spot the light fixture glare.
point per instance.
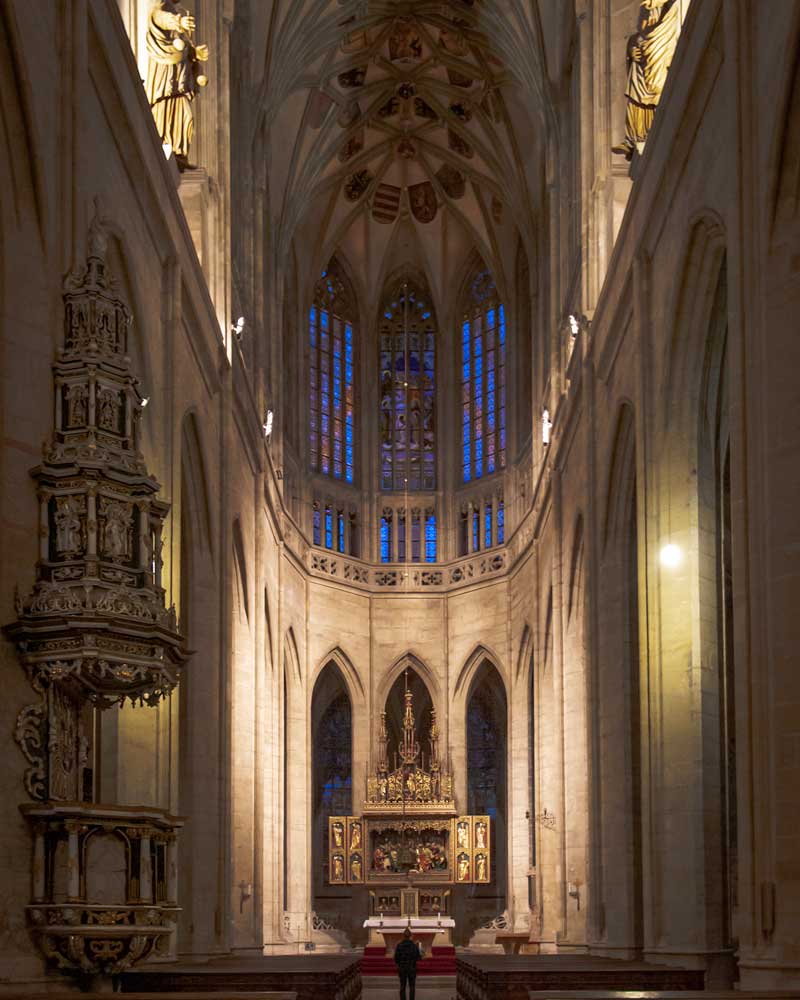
(671, 556)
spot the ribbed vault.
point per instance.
(385, 115)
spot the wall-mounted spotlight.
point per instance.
(145, 401)
(547, 424)
(671, 556)
(238, 328)
(574, 325)
(268, 424)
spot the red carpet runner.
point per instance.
(441, 962)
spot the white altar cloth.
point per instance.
(424, 930)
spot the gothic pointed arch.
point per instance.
(695, 290)
(622, 473)
(525, 656)
(195, 491)
(332, 776)
(350, 676)
(486, 718)
(291, 658)
(575, 590)
(411, 660)
(479, 656)
(241, 567)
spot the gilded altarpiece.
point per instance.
(409, 834)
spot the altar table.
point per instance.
(424, 930)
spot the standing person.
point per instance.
(406, 955)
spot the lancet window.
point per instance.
(335, 526)
(482, 524)
(408, 534)
(331, 367)
(407, 395)
(483, 380)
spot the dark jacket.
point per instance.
(407, 954)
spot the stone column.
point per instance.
(145, 868)
(39, 863)
(73, 862)
(172, 869)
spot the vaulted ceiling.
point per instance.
(402, 131)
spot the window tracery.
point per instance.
(407, 389)
(331, 377)
(483, 380)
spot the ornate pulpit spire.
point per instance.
(95, 630)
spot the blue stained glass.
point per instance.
(341, 532)
(430, 538)
(386, 555)
(476, 531)
(348, 433)
(317, 527)
(349, 475)
(501, 523)
(323, 315)
(487, 526)
(465, 372)
(478, 366)
(490, 318)
(479, 449)
(465, 331)
(466, 454)
(328, 528)
(467, 474)
(478, 347)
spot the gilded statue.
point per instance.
(338, 868)
(355, 868)
(481, 870)
(650, 51)
(174, 75)
(462, 868)
(480, 834)
(355, 836)
(338, 834)
(462, 835)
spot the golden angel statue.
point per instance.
(649, 56)
(173, 75)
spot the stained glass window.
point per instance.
(483, 381)
(331, 367)
(430, 535)
(407, 397)
(386, 536)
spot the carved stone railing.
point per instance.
(413, 577)
(104, 892)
